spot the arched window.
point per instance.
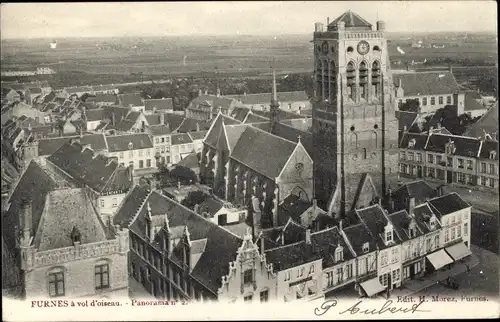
(319, 79)
(326, 85)
(351, 80)
(333, 81)
(374, 139)
(376, 89)
(354, 141)
(363, 80)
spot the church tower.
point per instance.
(354, 121)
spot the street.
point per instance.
(482, 279)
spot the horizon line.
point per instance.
(233, 35)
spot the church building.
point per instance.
(354, 122)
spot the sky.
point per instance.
(117, 19)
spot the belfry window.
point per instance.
(363, 80)
(319, 79)
(326, 85)
(351, 81)
(376, 89)
(333, 81)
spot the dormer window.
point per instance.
(493, 155)
(432, 223)
(411, 143)
(366, 248)
(388, 234)
(130, 146)
(339, 254)
(450, 147)
(75, 235)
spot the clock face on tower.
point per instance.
(324, 48)
(363, 47)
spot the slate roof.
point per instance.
(471, 104)
(99, 172)
(326, 241)
(48, 146)
(159, 104)
(33, 186)
(289, 133)
(215, 131)
(132, 99)
(422, 215)
(401, 223)
(254, 118)
(103, 98)
(304, 125)
(215, 101)
(190, 161)
(240, 113)
(180, 138)
(426, 83)
(173, 120)
(265, 98)
(233, 133)
(293, 255)
(406, 119)
(351, 19)
(117, 143)
(159, 130)
(487, 123)
(283, 115)
(97, 114)
(357, 235)
(56, 225)
(447, 204)
(488, 146)
(255, 143)
(192, 125)
(420, 190)
(466, 147)
(375, 220)
(291, 207)
(221, 246)
(197, 135)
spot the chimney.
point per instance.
(315, 204)
(400, 83)
(196, 208)
(197, 127)
(405, 129)
(199, 92)
(218, 91)
(450, 68)
(206, 91)
(439, 125)
(27, 220)
(341, 224)
(262, 245)
(113, 119)
(162, 118)
(327, 21)
(154, 109)
(178, 184)
(308, 236)
(411, 205)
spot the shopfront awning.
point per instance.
(372, 287)
(439, 259)
(458, 251)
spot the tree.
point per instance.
(183, 175)
(194, 198)
(411, 105)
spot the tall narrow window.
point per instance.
(363, 80)
(56, 284)
(376, 90)
(319, 79)
(326, 81)
(351, 80)
(364, 153)
(333, 81)
(101, 276)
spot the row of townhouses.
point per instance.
(450, 159)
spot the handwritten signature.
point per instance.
(357, 309)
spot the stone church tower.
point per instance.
(354, 121)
